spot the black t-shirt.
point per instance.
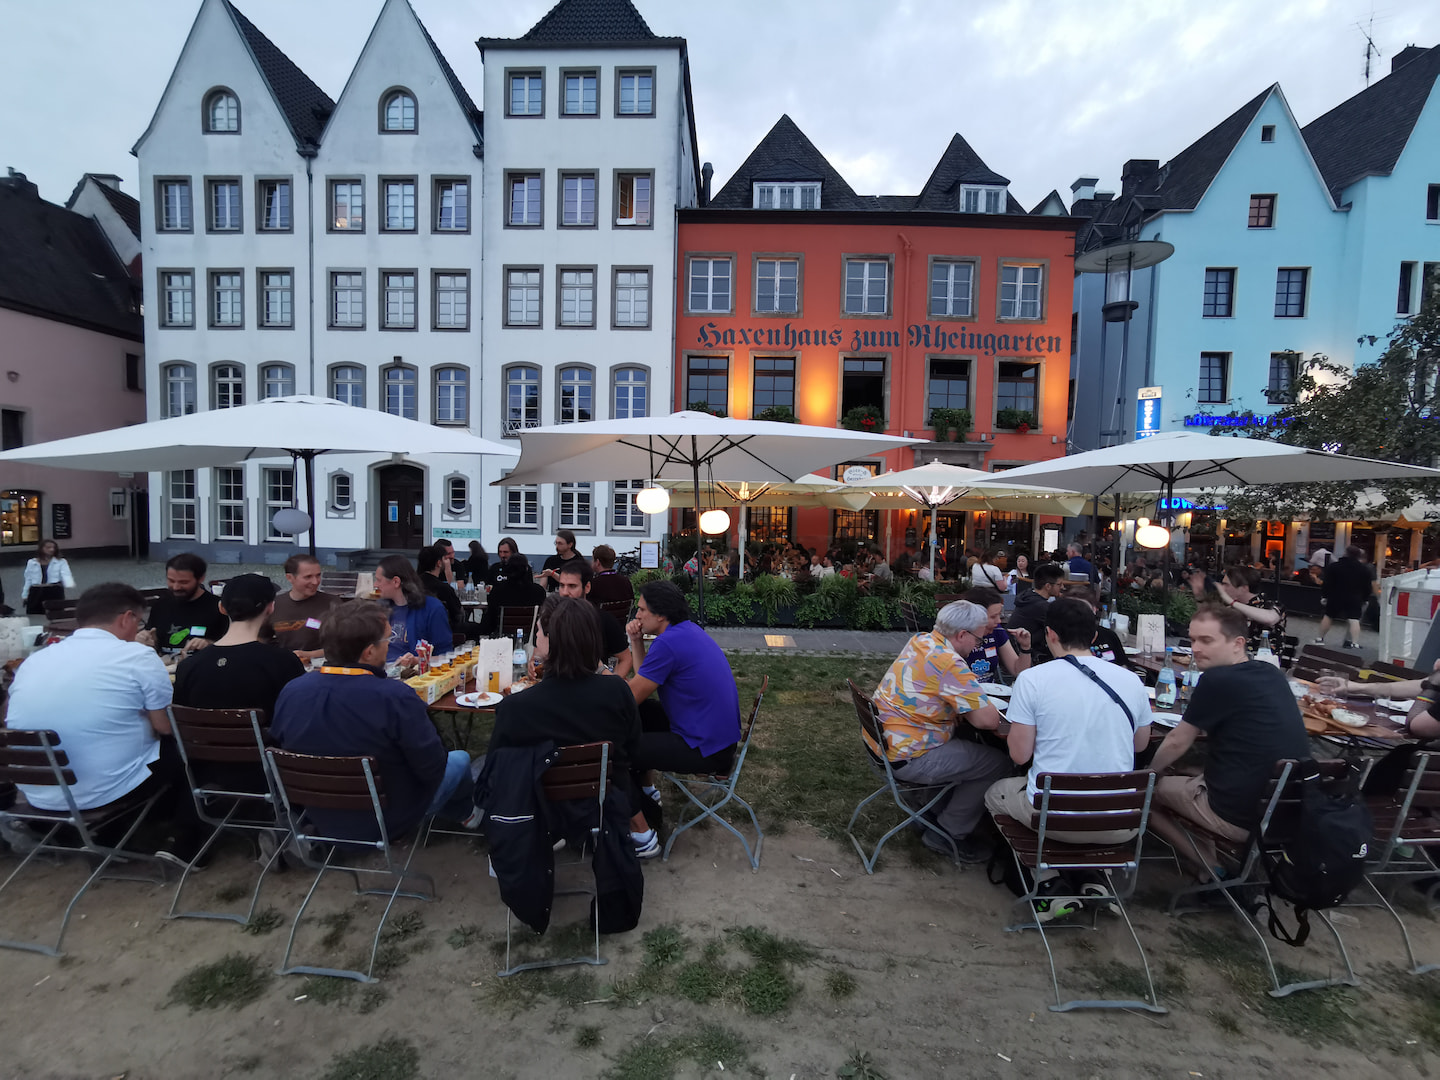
(248, 676)
(1107, 646)
(1348, 581)
(176, 621)
(1251, 721)
(522, 593)
(610, 586)
(443, 591)
(556, 563)
(616, 643)
(596, 708)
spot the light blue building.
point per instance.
(1289, 242)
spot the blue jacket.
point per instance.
(412, 624)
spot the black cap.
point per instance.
(247, 595)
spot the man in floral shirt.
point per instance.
(923, 696)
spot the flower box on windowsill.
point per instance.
(864, 418)
(1018, 420)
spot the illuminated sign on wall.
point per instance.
(1206, 420)
(1147, 412)
(919, 335)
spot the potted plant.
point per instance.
(781, 414)
(1021, 420)
(863, 418)
(705, 407)
(951, 424)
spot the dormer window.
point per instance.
(397, 112)
(982, 200)
(222, 113)
(787, 196)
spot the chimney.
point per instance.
(1084, 188)
(706, 172)
(1404, 56)
(1104, 196)
(1135, 173)
(18, 183)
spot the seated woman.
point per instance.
(998, 648)
(514, 588)
(575, 701)
(414, 615)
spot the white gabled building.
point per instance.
(589, 150)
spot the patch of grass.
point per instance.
(371, 998)
(840, 984)
(263, 921)
(664, 945)
(572, 990)
(766, 989)
(389, 959)
(233, 981)
(657, 1059)
(336, 925)
(404, 926)
(772, 949)
(228, 894)
(859, 1067)
(392, 1058)
(713, 1043)
(462, 937)
(587, 1038)
(1226, 1022)
(1111, 977)
(327, 990)
(703, 981)
(510, 995)
(645, 984)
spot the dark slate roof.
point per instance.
(57, 264)
(1185, 178)
(957, 165)
(467, 103)
(305, 105)
(1365, 135)
(127, 207)
(786, 154)
(586, 22)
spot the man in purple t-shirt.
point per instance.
(695, 724)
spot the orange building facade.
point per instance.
(824, 311)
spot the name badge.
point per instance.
(991, 651)
(197, 631)
(313, 624)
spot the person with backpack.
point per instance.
(1251, 721)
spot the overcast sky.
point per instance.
(1044, 90)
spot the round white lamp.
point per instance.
(291, 521)
(652, 500)
(1152, 536)
(713, 522)
(1142, 522)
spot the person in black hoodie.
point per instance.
(1031, 607)
(514, 589)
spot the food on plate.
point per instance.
(1348, 718)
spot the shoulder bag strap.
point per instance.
(1103, 686)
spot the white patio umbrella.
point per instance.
(300, 427)
(679, 445)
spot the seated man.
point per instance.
(300, 611)
(926, 691)
(431, 564)
(695, 724)
(1064, 715)
(515, 588)
(1107, 644)
(348, 709)
(1030, 608)
(610, 586)
(189, 610)
(1251, 720)
(575, 581)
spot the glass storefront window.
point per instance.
(19, 518)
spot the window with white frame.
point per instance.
(577, 199)
(223, 203)
(527, 94)
(397, 112)
(952, 289)
(982, 200)
(457, 495)
(522, 297)
(347, 384)
(637, 93)
(632, 199)
(524, 200)
(709, 286)
(182, 505)
(399, 286)
(342, 492)
(347, 298)
(277, 296)
(631, 393)
(522, 507)
(452, 405)
(399, 205)
(279, 494)
(577, 297)
(347, 205)
(222, 113)
(787, 196)
(227, 382)
(179, 389)
(227, 298)
(577, 394)
(624, 514)
(632, 297)
(452, 205)
(452, 300)
(400, 391)
(777, 286)
(275, 206)
(575, 507)
(277, 380)
(522, 398)
(582, 93)
(1021, 287)
(174, 206)
(229, 503)
(178, 299)
(867, 284)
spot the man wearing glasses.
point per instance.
(922, 699)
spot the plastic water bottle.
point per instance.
(518, 657)
(1165, 689)
(1192, 677)
(1105, 615)
(1265, 653)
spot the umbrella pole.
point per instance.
(309, 458)
(742, 531)
(699, 536)
(932, 543)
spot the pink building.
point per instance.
(71, 362)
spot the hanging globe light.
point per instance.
(652, 500)
(1152, 536)
(713, 522)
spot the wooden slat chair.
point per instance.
(309, 781)
(1324, 657)
(56, 610)
(711, 794)
(1278, 820)
(518, 618)
(339, 582)
(869, 717)
(228, 737)
(1407, 836)
(36, 758)
(575, 772)
(1392, 672)
(912, 621)
(1084, 803)
(1308, 666)
(618, 609)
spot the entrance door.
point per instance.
(402, 507)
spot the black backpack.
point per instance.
(1323, 859)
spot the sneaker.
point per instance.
(1355, 645)
(647, 844)
(654, 793)
(1100, 894)
(1048, 906)
(1318, 641)
(18, 835)
(968, 849)
(473, 821)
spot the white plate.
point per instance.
(1393, 705)
(486, 700)
(993, 689)
(1000, 705)
(1181, 650)
(1165, 719)
(1132, 650)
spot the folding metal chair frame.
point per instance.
(73, 817)
(303, 840)
(1130, 867)
(723, 789)
(1415, 866)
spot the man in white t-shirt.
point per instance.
(1069, 724)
